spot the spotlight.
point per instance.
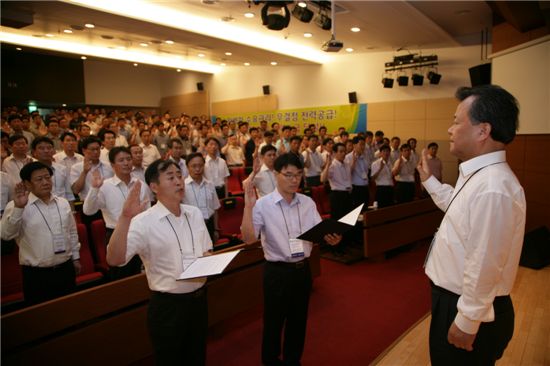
(387, 82)
(417, 79)
(434, 77)
(303, 14)
(275, 21)
(323, 21)
(402, 80)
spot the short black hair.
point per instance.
(369, 133)
(143, 131)
(379, 133)
(313, 137)
(174, 141)
(192, 156)
(411, 139)
(157, 167)
(384, 147)
(13, 138)
(344, 133)
(268, 134)
(88, 141)
(252, 129)
(212, 139)
(286, 127)
(322, 128)
(104, 132)
(432, 144)
(396, 138)
(287, 159)
(337, 145)
(327, 140)
(117, 150)
(494, 105)
(26, 172)
(65, 134)
(267, 148)
(404, 146)
(39, 140)
(294, 138)
(13, 117)
(356, 139)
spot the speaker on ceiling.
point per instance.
(352, 96)
(200, 86)
(480, 74)
(266, 89)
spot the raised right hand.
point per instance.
(21, 195)
(132, 205)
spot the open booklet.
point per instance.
(329, 226)
(209, 265)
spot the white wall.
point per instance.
(329, 84)
(526, 74)
(178, 83)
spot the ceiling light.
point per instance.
(89, 25)
(201, 55)
(83, 57)
(434, 77)
(222, 64)
(274, 63)
(302, 13)
(302, 4)
(417, 79)
(178, 70)
(387, 82)
(68, 31)
(18, 48)
(49, 35)
(355, 29)
(323, 21)
(63, 105)
(308, 35)
(169, 41)
(135, 64)
(249, 15)
(228, 53)
(274, 20)
(143, 44)
(246, 64)
(349, 49)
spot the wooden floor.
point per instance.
(530, 345)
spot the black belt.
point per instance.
(197, 293)
(48, 269)
(294, 265)
(340, 191)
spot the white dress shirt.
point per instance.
(277, 221)
(13, 166)
(138, 173)
(105, 170)
(183, 166)
(233, 154)
(216, 170)
(61, 185)
(360, 172)
(110, 198)
(68, 161)
(203, 196)
(476, 250)
(339, 176)
(34, 227)
(406, 172)
(6, 190)
(384, 178)
(162, 240)
(104, 156)
(265, 181)
(150, 154)
(315, 163)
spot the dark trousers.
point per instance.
(384, 196)
(45, 283)
(313, 181)
(404, 192)
(133, 267)
(220, 191)
(340, 204)
(491, 339)
(210, 227)
(286, 298)
(359, 195)
(178, 327)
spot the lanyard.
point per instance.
(44, 217)
(177, 237)
(284, 218)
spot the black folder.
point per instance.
(329, 226)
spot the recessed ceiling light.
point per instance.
(135, 64)
(228, 53)
(249, 15)
(222, 64)
(302, 4)
(349, 49)
(169, 41)
(178, 70)
(63, 105)
(274, 63)
(83, 57)
(18, 48)
(201, 55)
(246, 64)
(143, 44)
(355, 29)
(49, 35)
(68, 31)
(89, 25)
(308, 35)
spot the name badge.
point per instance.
(59, 243)
(296, 248)
(187, 261)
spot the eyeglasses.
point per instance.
(292, 176)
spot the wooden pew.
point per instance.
(391, 227)
(106, 325)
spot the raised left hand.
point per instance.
(460, 339)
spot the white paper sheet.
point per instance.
(209, 265)
(351, 218)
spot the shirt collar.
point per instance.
(208, 158)
(277, 198)
(116, 180)
(162, 211)
(190, 180)
(479, 162)
(33, 198)
(264, 168)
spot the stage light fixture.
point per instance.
(323, 21)
(417, 79)
(434, 77)
(274, 20)
(302, 13)
(387, 82)
(402, 80)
